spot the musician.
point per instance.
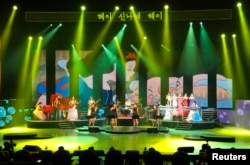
(135, 115)
(56, 104)
(38, 112)
(194, 114)
(155, 113)
(72, 113)
(168, 99)
(191, 100)
(114, 114)
(174, 100)
(185, 100)
(91, 102)
(92, 116)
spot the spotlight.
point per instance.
(131, 8)
(223, 35)
(117, 8)
(30, 38)
(233, 35)
(239, 4)
(166, 7)
(83, 8)
(191, 23)
(40, 38)
(145, 38)
(15, 7)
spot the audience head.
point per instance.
(61, 156)
(114, 157)
(88, 157)
(180, 158)
(153, 157)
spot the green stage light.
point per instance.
(15, 7)
(131, 8)
(166, 7)
(117, 8)
(233, 35)
(223, 35)
(83, 8)
(239, 4)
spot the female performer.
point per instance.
(155, 113)
(38, 112)
(72, 113)
(92, 116)
(114, 114)
(91, 102)
(135, 115)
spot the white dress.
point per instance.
(72, 113)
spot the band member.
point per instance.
(191, 100)
(91, 102)
(38, 112)
(135, 115)
(194, 114)
(174, 100)
(56, 104)
(155, 113)
(114, 114)
(92, 116)
(185, 100)
(72, 113)
(180, 105)
(169, 100)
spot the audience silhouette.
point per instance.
(91, 156)
(114, 156)
(61, 156)
(180, 158)
(152, 157)
(88, 157)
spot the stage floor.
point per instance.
(166, 142)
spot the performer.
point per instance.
(72, 113)
(135, 115)
(168, 99)
(91, 102)
(185, 100)
(155, 113)
(56, 104)
(191, 100)
(194, 114)
(92, 117)
(114, 114)
(38, 112)
(180, 105)
(174, 100)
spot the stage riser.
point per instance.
(194, 126)
(80, 123)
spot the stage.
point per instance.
(123, 121)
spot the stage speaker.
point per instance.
(32, 148)
(186, 149)
(94, 129)
(152, 130)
